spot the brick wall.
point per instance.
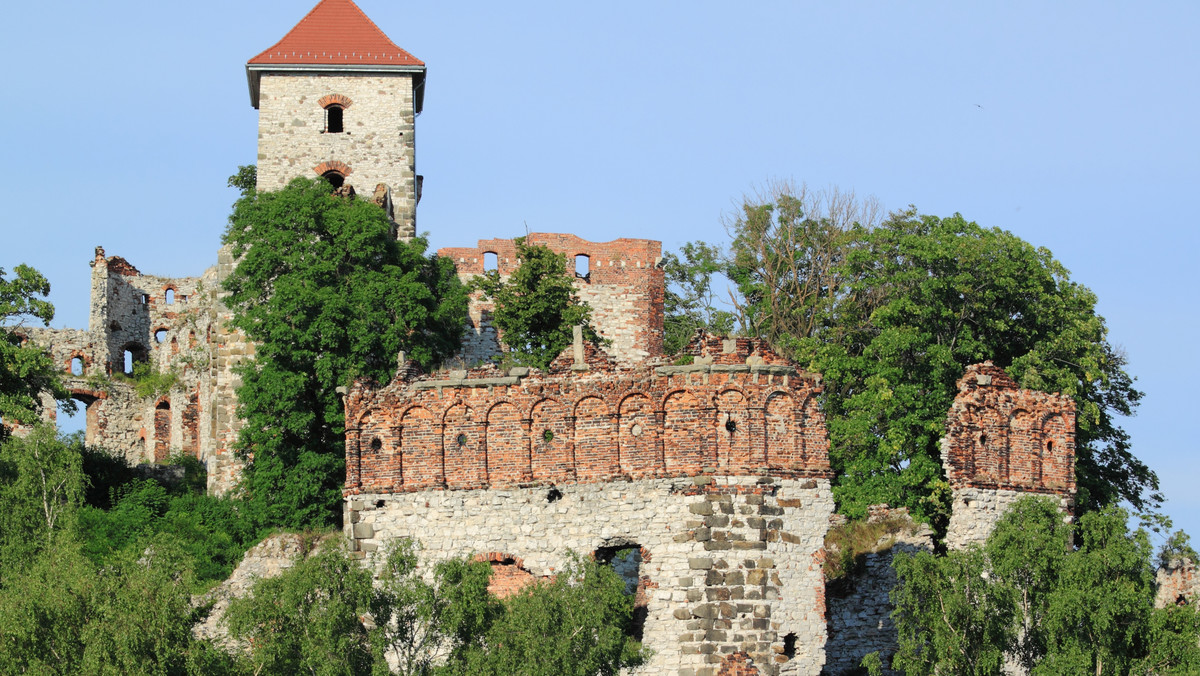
(624, 287)
(1002, 443)
(487, 428)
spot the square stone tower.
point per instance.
(337, 98)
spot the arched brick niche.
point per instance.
(999, 436)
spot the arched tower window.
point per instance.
(334, 178)
(334, 171)
(333, 119)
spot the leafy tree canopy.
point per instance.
(327, 295)
(1028, 597)
(891, 314)
(26, 371)
(41, 488)
(689, 303)
(536, 307)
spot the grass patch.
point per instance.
(847, 545)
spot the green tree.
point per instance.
(328, 296)
(307, 619)
(537, 306)
(324, 616)
(890, 315)
(26, 371)
(41, 489)
(1030, 598)
(689, 304)
(62, 615)
(576, 625)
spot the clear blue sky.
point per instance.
(1072, 124)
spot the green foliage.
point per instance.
(689, 304)
(41, 486)
(419, 624)
(890, 315)
(65, 616)
(245, 180)
(536, 307)
(213, 532)
(26, 371)
(847, 545)
(148, 381)
(328, 296)
(579, 624)
(1050, 608)
(307, 619)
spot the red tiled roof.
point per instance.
(336, 32)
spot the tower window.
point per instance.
(334, 178)
(170, 296)
(583, 266)
(333, 119)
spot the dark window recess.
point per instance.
(789, 646)
(334, 178)
(333, 119)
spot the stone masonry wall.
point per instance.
(1178, 584)
(377, 146)
(624, 286)
(1001, 443)
(717, 473)
(175, 325)
(730, 563)
(860, 608)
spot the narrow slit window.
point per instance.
(128, 363)
(333, 119)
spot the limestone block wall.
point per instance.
(859, 606)
(377, 145)
(1001, 443)
(728, 563)
(624, 286)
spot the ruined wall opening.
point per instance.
(789, 646)
(625, 557)
(583, 266)
(133, 354)
(162, 430)
(509, 574)
(335, 179)
(76, 367)
(491, 261)
(169, 296)
(160, 335)
(83, 419)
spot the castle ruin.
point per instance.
(703, 476)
